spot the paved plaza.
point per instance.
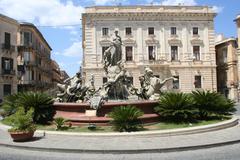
(125, 144)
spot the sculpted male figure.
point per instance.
(70, 85)
(151, 85)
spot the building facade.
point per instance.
(56, 73)
(34, 62)
(64, 75)
(8, 54)
(172, 40)
(227, 69)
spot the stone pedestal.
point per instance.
(91, 113)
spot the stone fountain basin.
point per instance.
(76, 112)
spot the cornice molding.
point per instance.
(175, 42)
(105, 42)
(197, 42)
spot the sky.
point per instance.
(59, 21)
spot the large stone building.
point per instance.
(63, 75)
(171, 40)
(56, 73)
(34, 61)
(227, 69)
(8, 52)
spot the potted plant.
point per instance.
(23, 127)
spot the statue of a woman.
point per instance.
(116, 55)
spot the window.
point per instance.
(39, 77)
(196, 53)
(173, 30)
(195, 30)
(7, 65)
(129, 54)
(27, 38)
(104, 80)
(7, 41)
(150, 31)
(151, 53)
(176, 82)
(174, 53)
(105, 31)
(32, 75)
(128, 31)
(198, 82)
(224, 54)
(7, 89)
(26, 57)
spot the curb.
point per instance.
(135, 151)
(162, 133)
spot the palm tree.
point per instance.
(212, 103)
(176, 107)
(125, 118)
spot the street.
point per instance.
(230, 152)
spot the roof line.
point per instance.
(35, 28)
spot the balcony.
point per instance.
(25, 47)
(8, 72)
(30, 63)
(34, 83)
(8, 47)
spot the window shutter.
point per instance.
(11, 64)
(3, 62)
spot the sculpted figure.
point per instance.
(90, 89)
(117, 44)
(151, 85)
(70, 87)
(113, 55)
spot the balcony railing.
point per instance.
(8, 47)
(30, 63)
(8, 72)
(36, 83)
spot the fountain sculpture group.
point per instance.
(118, 85)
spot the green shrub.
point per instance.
(22, 121)
(125, 118)
(42, 104)
(212, 103)
(59, 122)
(10, 105)
(176, 107)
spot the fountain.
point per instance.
(84, 104)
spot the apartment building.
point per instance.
(56, 74)
(34, 61)
(171, 40)
(8, 52)
(227, 67)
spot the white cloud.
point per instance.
(111, 2)
(42, 12)
(177, 2)
(102, 2)
(75, 50)
(218, 9)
